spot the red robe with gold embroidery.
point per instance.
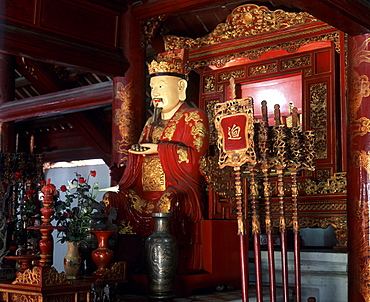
(182, 141)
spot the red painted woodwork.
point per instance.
(77, 291)
(85, 21)
(129, 94)
(23, 10)
(311, 74)
(358, 173)
(55, 103)
(55, 48)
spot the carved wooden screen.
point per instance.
(317, 70)
(255, 44)
(255, 51)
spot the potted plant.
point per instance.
(73, 215)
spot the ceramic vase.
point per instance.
(102, 256)
(161, 258)
(72, 261)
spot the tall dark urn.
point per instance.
(161, 258)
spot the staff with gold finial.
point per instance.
(234, 124)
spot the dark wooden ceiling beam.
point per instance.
(44, 46)
(72, 100)
(39, 76)
(172, 7)
(351, 19)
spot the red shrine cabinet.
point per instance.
(287, 59)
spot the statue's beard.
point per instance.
(157, 113)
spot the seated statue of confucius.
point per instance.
(162, 173)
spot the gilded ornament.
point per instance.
(149, 28)
(308, 72)
(36, 276)
(362, 126)
(116, 273)
(198, 130)
(171, 61)
(15, 297)
(218, 179)
(164, 203)
(360, 88)
(364, 278)
(255, 53)
(210, 113)
(362, 159)
(243, 107)
(318, 117)
(209, 83)
(256, 228)
(153, 177)
(139, 204)
(226, 76)
(183, 155)
(334, 184)
(295, 62)
(262, 69)
(171, 126)
(339, 223)
(125, 228)
(246, 20)
(124, 118)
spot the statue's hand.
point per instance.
(147, 148)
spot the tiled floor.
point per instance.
(209, 295)
(230, 295)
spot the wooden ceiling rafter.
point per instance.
(39, 75)
(55, 49)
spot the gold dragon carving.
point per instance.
(246, 20)
(124, 118)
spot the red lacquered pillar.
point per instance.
(7, 92)
(128, 106)
(359, 169)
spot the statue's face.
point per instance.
(170, 89)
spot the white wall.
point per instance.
(60, 176)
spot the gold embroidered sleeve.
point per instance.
(171, 127)
(198, 130)
(183, 155)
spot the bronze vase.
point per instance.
(161, 258)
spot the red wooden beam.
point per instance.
(172, 7)
(71, 100)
